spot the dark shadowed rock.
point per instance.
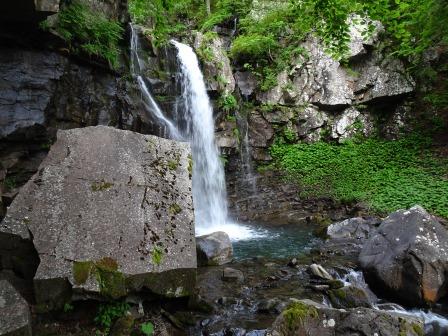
(214, 249)
(108, 212)
(232, 275)
(306, 317)
(349, 297)
(408, 257)
(260, 130)
(15, 318)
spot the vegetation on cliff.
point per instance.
(386, 175)
(90, 32)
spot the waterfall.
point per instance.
(137, 68)
(192, 120)
(209, 192)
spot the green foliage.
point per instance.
(147, 328)
(253, 47)
(109, 312)
(387, 175)
(68, 308)
(91, 31)
(157, 255)
(10, 183)
(164, 16)
(227, 102)
(225, 10)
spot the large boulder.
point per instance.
(108, 212)
(15, 318)
(408, 257)
(306, 317)
(214, 249)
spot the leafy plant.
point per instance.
(68, 308)
(157, 255)
(227, 102)
(387, 175)
(91, 31)
(109, 312)
(147, 328)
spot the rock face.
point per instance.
(310, 318)
(15, 318)
(45, 88)
(408, 257)
(214, 249)
(108, 212)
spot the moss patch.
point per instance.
(101, 186)
(296, 314)
(157, 255)
(175, 209)
(81, 271)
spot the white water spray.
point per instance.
(209, 191)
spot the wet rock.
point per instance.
(306, 317)
(232, 275)
(382, 79)
(358, 228)
(214, 249)
(408, 257)
(275, 95)
(269, 306)
(359, 41)
(246, 82)
(349, 297)
(122, 326)
(293, 262)
(319, 272)
(15, 318)
(217, 70)
(310, 122)
(351, 123)
(43, 88)
(260, 130)
(108, 219)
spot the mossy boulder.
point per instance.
(107, 216)
(306, 317)
(349, 297)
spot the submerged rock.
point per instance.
(408, 257)
(15, 318)
(108, 212)
(214, 249)
(307, 317)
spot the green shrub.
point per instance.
(387, 175)
(227, 103)
(109, 312)
(147, 328)
(253, 47)
(91, 31)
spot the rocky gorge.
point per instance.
(112, 162)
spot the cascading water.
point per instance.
(195, 113)
(208, 175)
(137, 68)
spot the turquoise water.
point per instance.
(276, 242)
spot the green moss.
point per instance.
(112, 283)
(175, 209)
(172, 164)
(190, 165)
(296, 314)
(157, 255)
(418, 329)
(101, 186)
(81, 271)
(107, 263)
